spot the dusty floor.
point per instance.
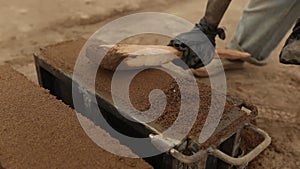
(273, 88)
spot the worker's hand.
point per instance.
(198, 44)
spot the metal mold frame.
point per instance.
(59, 83)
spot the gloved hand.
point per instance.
(198, 45)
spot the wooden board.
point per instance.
(145, 55)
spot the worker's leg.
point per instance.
(263, 25)
(290, 53)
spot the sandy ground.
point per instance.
(26, 26)
(43, 132)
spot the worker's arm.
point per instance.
(197, 51)
(215, 11)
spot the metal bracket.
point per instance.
(248, 157)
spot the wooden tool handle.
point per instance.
(114, 55)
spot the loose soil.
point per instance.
(38, 131)
(279, 149)
(63, 56)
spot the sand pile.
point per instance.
(38, 131)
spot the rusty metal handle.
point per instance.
(248, 157)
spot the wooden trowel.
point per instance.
(136, 56)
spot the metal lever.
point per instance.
(226, 158)
(188, 159)
(248, 157)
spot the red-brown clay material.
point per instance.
(63, 56)
(280, 154)
(38, 131)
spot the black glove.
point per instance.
(198, 45)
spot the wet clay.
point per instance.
(64, 55)
(39, 131)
